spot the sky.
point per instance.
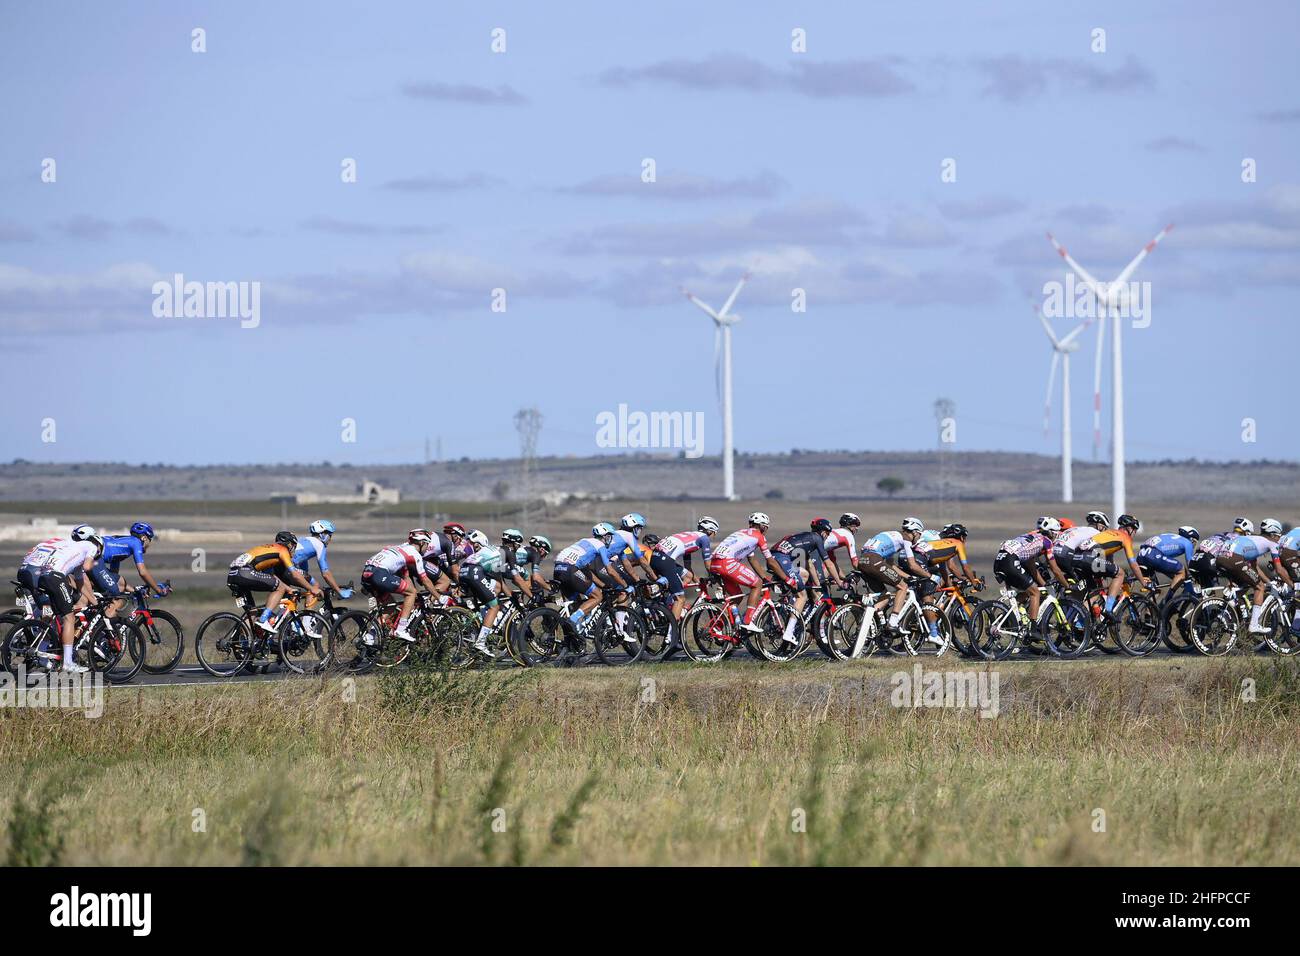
(522, 169)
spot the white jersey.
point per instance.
(39, 556)
(841, 538)
(741, 544)
(1077, 539)
(68, 557)
(399, 559)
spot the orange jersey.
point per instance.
(265, 557)
(944, 550)
(1111, 541)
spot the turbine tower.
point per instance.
(1061, 349)
(1111, 298)
(723, 320)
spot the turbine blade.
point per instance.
(734, 292)
(1047, 327)
(1137, 260)
(713, 315)
(1097, 288)
(1047, 403)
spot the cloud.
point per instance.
(1014, 78)
(681, 187)
(465, 93)
(1086, 214)
(976, 210)
(916, 231)
(13, 232)
(1269, 221)
(436, 183)
(871, 78)
(1280, 116)
(1174, 144)
(94, 229)
(348, 227)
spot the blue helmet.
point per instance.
(321, 527)
(634, 521)
(602, 529)
(142, 529)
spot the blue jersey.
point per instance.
(118, 547)
(1291, 540)
(1252, 547)
(584, 552)
(625, 545)
(308, 548)
(1170, 545)
(887, 544)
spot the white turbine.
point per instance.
(723, 320)
(1061, 349)
(1111, 297)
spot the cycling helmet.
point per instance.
(1097, 517)
(478, 539)
(419, 536)
(1270, 526)
(1190, 533)
(321, 527)
(650, 540)
(82, 532)
(915, 525)
(760, 517)
(142, 529)
(512, 536)
(98, 542)
(1066, 524)
(288, 539)
(1130, 523)
(849, 519)
(602, 529)
(541, 543)
(708, 525)
(821, 524)
(454, 529)
(633, 521)
(954, 530)
(1243, 525)
(1048, 525)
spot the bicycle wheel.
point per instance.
(659, 622)
(451, 633)
(998, 627)
(33, 646)
(1281, 638)
(1066, 628)
(164, 641)
(223, 644)
(620, 636)
(844, 626)
(919, 642)
(351, 642)
(1214, 627)
(8, 623)
(959, 618)
(770, 643)
(1137, 627)
(1175, 623)
(305, 642)
(708, 633)
(116, 650)
(541, 636)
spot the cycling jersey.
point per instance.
(1216, 544)
(887, 544)
(39, 555)
(625, 545)
(400, 559)
(682, 545)
(68, 557)
(842, 538)
(1170, 545)
(308, 548)
(584, 552)
(490, 559)
(807, 545)
(1076, 539)
(941, 551)
(1027, 547)
(1111, 542)
(118, 547)
(1252, 547)
(266, 557)
(526, 561)
(739, 545)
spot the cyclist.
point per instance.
(478, 574)
(106, 577)
(671, 559)
(268, 567)
(842, 537)
(577, 568)
(627, 555)
(1110, 542)
(392, 570)
(803, 558)
(1288, 550)
(33, 566)
(1016, 565)
(885, 557)
(443, 554)
(64, 579)
(1161, 553)
(1241, 563)
(319, 535)
(735, 562)
(950, 543)
(525, 560)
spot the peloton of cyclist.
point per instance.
(735, 562)
(1016, 564)
(1242, 564)
(268, 567)
(393, 571)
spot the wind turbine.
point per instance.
(1061, 349)
(723, 320)
(1111, 297)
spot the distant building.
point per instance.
(367, 493)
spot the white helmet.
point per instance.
(1243, 525)
(478, 539)
(82, 532)
(1270, 526)
(1097, 517)
(760, 517)
(708, 525)
(1048, 524)
(913, 524)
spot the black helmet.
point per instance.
(1128, 521)
(954, 530)
(849, 518)
(650, 540)
(288, 539)
(821, 524)
(1190, 533)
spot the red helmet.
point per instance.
(454, 527)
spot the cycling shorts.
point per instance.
(737, 575)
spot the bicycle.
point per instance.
(101, 643)
(710, 630)
(163, 634)
(226, 643)
(1132, 625)
(1001, 626)
(1218, 621)
(366, 639)
(857, 627)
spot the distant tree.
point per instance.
(500, 490)
(890, 485)
(774, 494)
